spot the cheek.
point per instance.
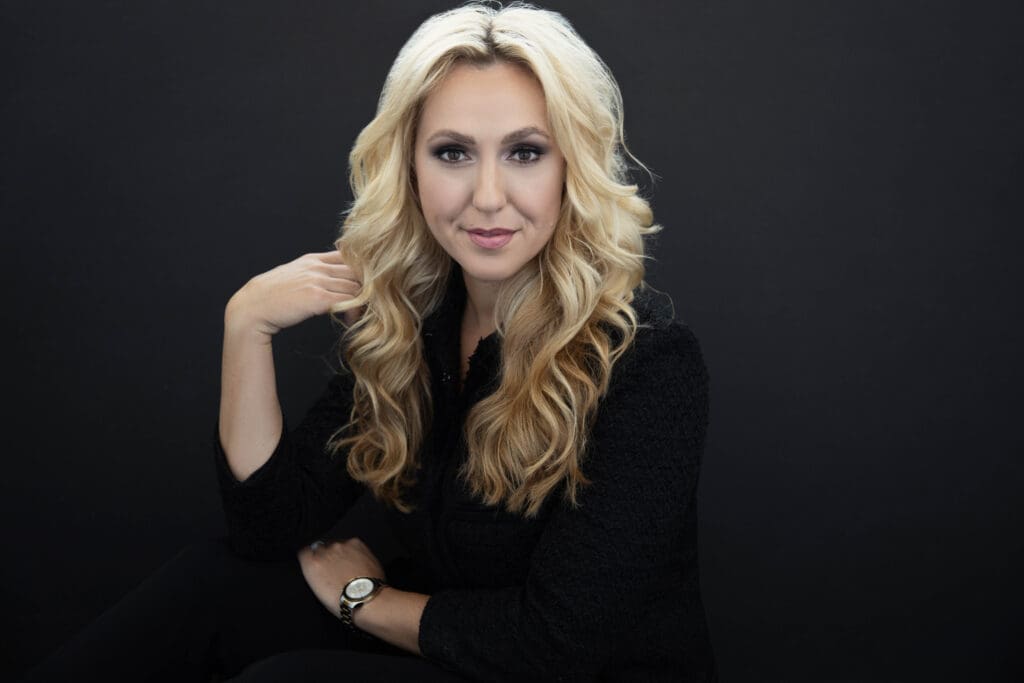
(440, 196)
(542, 198)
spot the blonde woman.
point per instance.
(525, 410)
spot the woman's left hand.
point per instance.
(329, 567)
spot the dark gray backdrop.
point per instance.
(840, 189)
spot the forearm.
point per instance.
(393, 616)
(250, 414)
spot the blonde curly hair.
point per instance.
(564, 319)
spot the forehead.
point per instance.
(473, 99)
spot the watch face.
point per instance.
(357, 589)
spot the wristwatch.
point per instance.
(358, 591)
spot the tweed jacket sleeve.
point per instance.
(300, 492)
(597, 569)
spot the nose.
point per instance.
(489, 192)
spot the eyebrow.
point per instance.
(514, 136)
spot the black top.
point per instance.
(606, 591)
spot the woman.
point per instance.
(525, 410)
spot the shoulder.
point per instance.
(661, 380)
(651, 425)
(665, 348)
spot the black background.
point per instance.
(840, 189)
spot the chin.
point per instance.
(483, 274)
(489, 276)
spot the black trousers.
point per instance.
(209, 615)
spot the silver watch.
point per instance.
(358, 591)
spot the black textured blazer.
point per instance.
(606, 591)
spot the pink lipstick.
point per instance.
(491, 239)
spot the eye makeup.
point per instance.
(444, 152)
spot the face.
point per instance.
(488, 172)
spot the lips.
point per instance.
(491, 238)
(491, 232)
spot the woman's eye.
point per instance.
(526, 155)
(520, 155)
(449, 154)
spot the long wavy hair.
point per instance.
(563, 320)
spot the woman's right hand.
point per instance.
(292, 292)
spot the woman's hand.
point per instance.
(290, 293)
(327, 569)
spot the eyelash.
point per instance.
(441, 151)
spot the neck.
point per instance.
(480, 299)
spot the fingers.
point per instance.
(342, 273)
(356, 541)
(333, 275)
(334, 259)
(332, 256)
(340, 286)
(331, 264)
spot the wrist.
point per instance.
(394, 617)
(368, 614)
(240, 324)
(356, 595)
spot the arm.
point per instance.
(250, 416)
(600, 569)
(393, 615)
(272, 505)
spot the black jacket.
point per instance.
(606, 591)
